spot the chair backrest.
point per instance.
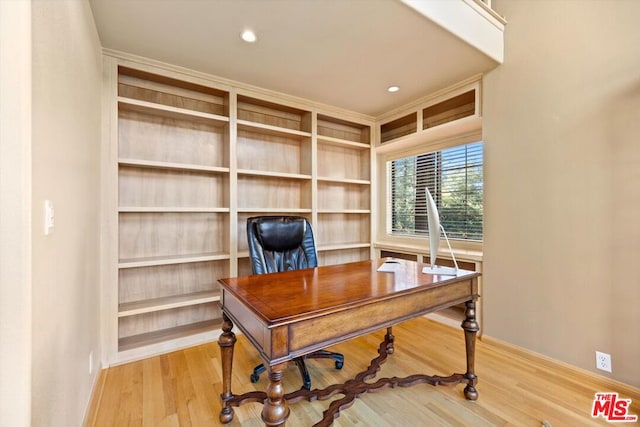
(280, 243)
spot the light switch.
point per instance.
(48, 217)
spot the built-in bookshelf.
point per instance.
(194, 159)
(402, 126)
(449, 117)
(451, 106)
(173, 207)
(344, 190)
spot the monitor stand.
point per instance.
(443, 271)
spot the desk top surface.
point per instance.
(290, 296)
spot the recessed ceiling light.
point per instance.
(248, 36)
(393, 89)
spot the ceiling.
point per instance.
(343, 53)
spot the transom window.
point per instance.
(454, 178)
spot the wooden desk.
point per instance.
(285, 315)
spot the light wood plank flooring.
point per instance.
(515, 387)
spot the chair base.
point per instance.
(302, 367)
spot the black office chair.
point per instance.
(283, 243)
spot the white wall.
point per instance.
(15, 213)
(562, 182)
(66, 118)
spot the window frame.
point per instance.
(421, 143)
(445, 171)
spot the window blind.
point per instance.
(454, 177)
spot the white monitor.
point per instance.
(433, 220)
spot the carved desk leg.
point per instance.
(275, 410)
(226, 342)
(470, 327)
(389, 339)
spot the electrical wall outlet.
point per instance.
(603, 361)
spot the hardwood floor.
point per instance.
(515, 387)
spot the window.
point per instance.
(454, 177)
